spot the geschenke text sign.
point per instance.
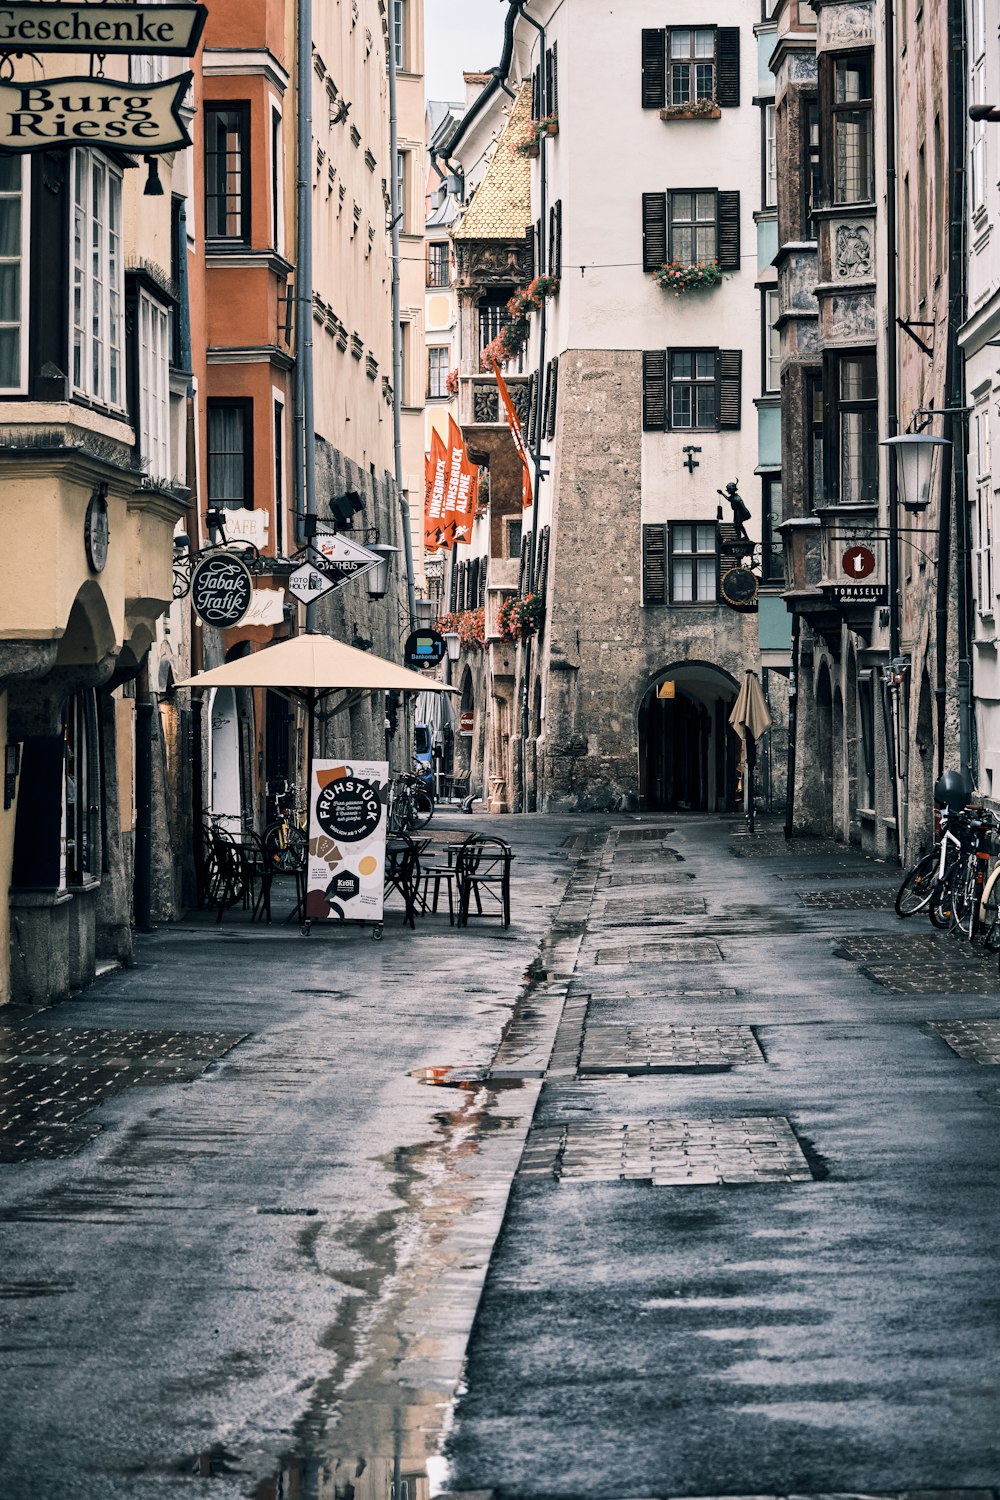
(47, 112)
(169, 30)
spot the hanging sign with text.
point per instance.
(167, 30)
(347, 828)
(221, 590)
(53, 112)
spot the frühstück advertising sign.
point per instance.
(347, 827)
(53, 112)
(169, 30)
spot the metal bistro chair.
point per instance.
(402, 873)
(483, 868)
(225, 878)
(434, 875)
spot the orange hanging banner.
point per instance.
(435, 527)
(515, 431)
(461, 501)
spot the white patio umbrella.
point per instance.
(311, 667)
(751, 719)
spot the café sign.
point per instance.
(167, 30)
(46, 112)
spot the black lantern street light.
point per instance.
(377, 578)
(453, 644)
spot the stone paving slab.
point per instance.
(876, 872)
(668, 1152)
(921, 963)
(649, 877)
(647, 834)
(642, 1049)
(685, 950)
(678, 905)
(860, 899)
(978, 1041)
(52, 1076)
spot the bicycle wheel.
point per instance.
(965, 899)
(423, 807)
(941, 908)
(918, 887)
(274, 839)
(989, 914)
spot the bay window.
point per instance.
(227, 172)
(852, 407)
(852, 172)
(154, 391)
(230, 453)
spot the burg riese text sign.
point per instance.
(170, 30)
(48, 112)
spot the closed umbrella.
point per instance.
(750, 719)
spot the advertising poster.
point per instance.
(347, 824)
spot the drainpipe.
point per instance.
(519, 6)
(143, 876)
(305, 446)
(956, 494)
(396, 210)
(890, 702)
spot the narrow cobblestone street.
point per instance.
(708, 1137)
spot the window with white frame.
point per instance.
(694, 565)
(399, 32)
(772, 342)
(154, 388)
(977, 95)
(401, 176)
(147, 67)
(982, 530)
(98, 279)
(770, 158)
(437, 373)
(14, 223)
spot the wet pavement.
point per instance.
(702, 1153)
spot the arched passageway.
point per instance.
(687, 755)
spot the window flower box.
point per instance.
(695, 109)
(677, 277)
(530, 142)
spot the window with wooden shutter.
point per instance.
(654, 564)
(654, 231)
(555, 239)
(654, 68)
(532, 409)
(654, 390)
(523, 573)
(551, 396)
(729, 231)
(730, 365)
(727, 67)
(536, 93)
(542, 562)
(551, 82)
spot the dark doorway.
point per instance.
(687, 755)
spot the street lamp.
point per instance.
(377, 578)
(915, 453)
(425, 613)
(453, 644)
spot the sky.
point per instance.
(460, 36)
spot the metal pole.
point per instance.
(143, 883)
(396, 210)
(793, 715)
(305, 445)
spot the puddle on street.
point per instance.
(374, 1426)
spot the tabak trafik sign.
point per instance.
(40, 114)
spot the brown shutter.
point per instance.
(654, 230)
(654, 564)
(654, 390)
(728, 366)
(536, 91)
(728, 231)
(727, 67)
(555, 239)
(532, 409)
(551, 397)
(654, 68)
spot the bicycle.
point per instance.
(410, 804)
(285, 840)
(949, 883)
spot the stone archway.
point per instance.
(687, 755)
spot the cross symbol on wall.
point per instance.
(691, 463)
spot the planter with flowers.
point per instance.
(451, 382)
(677, 277)
(518, 619)
(468, 624)
(513, 336)
(692, 109)
(530, 142)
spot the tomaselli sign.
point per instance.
(53, 112)
(170, 30)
